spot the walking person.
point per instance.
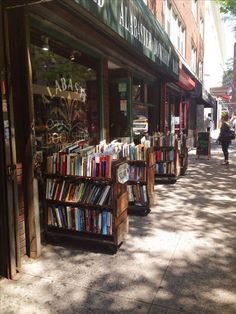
(209, 124)
(225, 138)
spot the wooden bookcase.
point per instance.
(113, 225)
(141, 185)
(167, 163)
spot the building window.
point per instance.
(201, 27)
(168, 18)
(194, 8)
(174, 27)
(200, 68)
(193, 58)
(182, 41)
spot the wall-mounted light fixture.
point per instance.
(75, 54)
(45, 45)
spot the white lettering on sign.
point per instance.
(134, 26)
(100, 3)
(68, 85)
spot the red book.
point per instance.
(58, 192)
(108, 166)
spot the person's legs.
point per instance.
(225, 147)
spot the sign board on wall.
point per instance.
(134, 22)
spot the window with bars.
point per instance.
(200, 70)
(174, 27)
(201, 27)
(194, 8)
(193, 58)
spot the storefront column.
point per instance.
(19, 47)
(104, 101)
(9, 248)
(163, 106)
(181, 113)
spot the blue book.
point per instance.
(61, 216)
(104, 223)
(79, 220)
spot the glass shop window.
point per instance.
(65, 94)
(142, 98)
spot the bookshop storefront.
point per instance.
(177, 103)
(88, 70)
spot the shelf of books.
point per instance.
(167, 161)
(141, 179)
(86, 196)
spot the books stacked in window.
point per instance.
(80, 219)
(165, 168)
(137, 194)
(78, 192)
(137, 173)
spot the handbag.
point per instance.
(227, 135)
(231, 134)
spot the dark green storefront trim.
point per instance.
(134, 22)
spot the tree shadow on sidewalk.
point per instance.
(178, 259)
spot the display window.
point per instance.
(65, 94)
(172, 112)
(142, 101)
(119, 108)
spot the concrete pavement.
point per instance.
(179, 259)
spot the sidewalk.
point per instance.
(179, 259)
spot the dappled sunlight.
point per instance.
(179, 258)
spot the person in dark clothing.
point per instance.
(223, 138)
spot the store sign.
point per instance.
(64, 85)
(123, 173)
(133, 21)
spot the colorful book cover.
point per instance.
(76, 219)
(104, 223)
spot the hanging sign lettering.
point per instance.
(134, 22)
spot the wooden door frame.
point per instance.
(8, 187)
(20, 99)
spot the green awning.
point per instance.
(135, 23)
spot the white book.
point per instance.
(144, 188)
(62, 189)
(58, 217)
(104, 195)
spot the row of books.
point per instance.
(94, 161)
(165, 155)
(80, 192)
(137, 173)
(165, 168)
(92, 165)
(137, 194)
(83, 220)
(124, 150)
